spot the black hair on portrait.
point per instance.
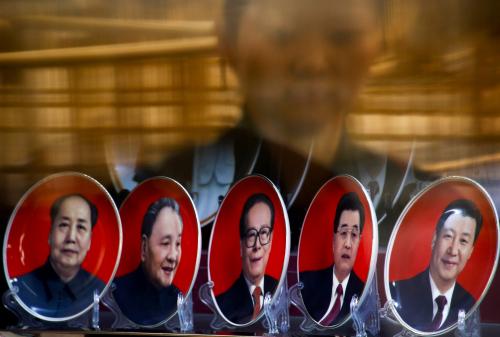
(465, 208)
(54, 209)
(349, 202)
(251, 201)
(153, 211)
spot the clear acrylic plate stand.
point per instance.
(388, 312)
(205, 294)
(365, 315)
(470, 327)
(86, 321)
(307, 325)
(182, 321)
(277, 312)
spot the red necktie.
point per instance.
(436, 322)
(257, 292)
(336, 307)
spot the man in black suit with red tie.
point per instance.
(327, 293)
(244, 300)
(431, 300)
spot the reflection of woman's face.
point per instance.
(70, 236)
(301, 64)
(161, 252)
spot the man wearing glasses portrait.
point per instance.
(327, 292)
(244, 300)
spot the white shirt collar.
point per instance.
(335, 284)
(435, 293)
(251, 288)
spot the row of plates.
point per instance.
(116, 246)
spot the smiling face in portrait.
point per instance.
(346, 243)
(291, 55)
(256, 243)
(70, 236)
(161, 251)
(451, 249)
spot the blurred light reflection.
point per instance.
(77, 76)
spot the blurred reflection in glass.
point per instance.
(301, 69)
(301, 65)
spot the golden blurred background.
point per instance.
(88, 84)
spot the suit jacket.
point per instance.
(236, 303)
(317, 292)
(141, 302)
(44, 292)
(414, 297)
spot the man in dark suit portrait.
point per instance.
(243, 301)
(431, 300)
(147, 295)
(327, 293)
(61, 288)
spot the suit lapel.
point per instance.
(323, 292)
(325, 302)
(426, 297)
(346, 305)
(354, 287)
(456, 302)
(246, 304)
(270, 285)
(422, 311)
